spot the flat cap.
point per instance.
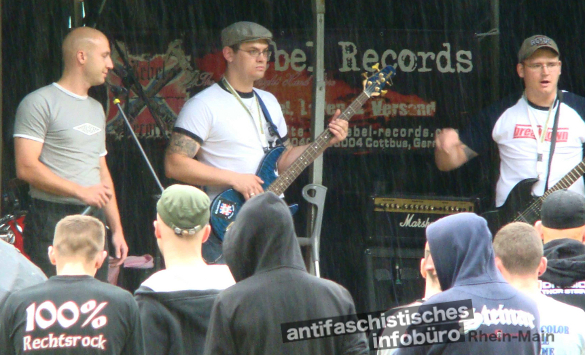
(244, 31)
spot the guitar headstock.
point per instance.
(374, 84)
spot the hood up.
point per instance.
(262, 238)
(566, 262)
(461, 248)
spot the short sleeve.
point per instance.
(32, 118)
(194, 120)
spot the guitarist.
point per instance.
(225, 128)
(522, 126)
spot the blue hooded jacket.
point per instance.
(461, 249)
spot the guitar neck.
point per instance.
(566, 181)
(314, 149)
(569, 179)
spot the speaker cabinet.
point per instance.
(393, 277)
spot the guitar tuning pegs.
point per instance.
(384, 92)
(365, 75)
(376, 67)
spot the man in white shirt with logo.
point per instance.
(522, 125)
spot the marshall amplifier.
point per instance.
(400, 221)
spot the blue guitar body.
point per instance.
(225, 206)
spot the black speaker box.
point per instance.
(393, 277)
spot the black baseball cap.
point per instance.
(563, 210)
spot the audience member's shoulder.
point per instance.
(575, 313)
(333, 287)
(211, 277)
(25, 293)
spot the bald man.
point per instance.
(59, 139)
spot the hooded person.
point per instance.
(175, 303)
(562, 229)
(273, 288)
(462, 252)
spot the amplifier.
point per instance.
(400, 221)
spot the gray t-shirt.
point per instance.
(72, 129)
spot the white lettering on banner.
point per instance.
(385, 137)
(409, 223)
(405, 60)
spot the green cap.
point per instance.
(243, 32)
(532, 44)
(184, 208)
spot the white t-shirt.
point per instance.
(518, 147)
(229, 137)
(210, 277)
(565, 323)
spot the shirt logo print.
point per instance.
(525, 131)
(88, 129)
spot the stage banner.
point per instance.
(437, 84)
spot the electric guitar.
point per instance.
(225, 206)
(522, 206)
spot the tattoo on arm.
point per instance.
(181, 144)
(469, 153)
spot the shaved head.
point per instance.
(86, 58)
(80, 39)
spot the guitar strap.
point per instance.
(271, 126)
(553, 139)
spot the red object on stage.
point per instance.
(11, 228)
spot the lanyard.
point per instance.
(259, 128)
(539, 138)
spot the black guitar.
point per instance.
(521, 206)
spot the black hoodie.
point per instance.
(461, 248)
(273, 287)
(564, 279)
(175, 306)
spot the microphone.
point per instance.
(118, 90)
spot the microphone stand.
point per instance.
(117, 103)
(117, 92)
